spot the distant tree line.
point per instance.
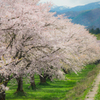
(94, 31)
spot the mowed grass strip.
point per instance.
(74, 87)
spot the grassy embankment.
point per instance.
(97, 96)
(75, 87)
(98, 36)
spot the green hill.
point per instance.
(90, 18)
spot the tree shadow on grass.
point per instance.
(18, 93)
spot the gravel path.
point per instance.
(93, 91)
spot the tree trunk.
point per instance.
(2, 96)
(43, 79)
(20, 84)
(32, 81)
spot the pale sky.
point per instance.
(69, 3)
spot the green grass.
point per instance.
(82, 87)
(70, 89)
(97, 96)
(98, 36)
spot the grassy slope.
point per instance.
(97, 96)
(98, 36)
(82, 87)
(57, 90)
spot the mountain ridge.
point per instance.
(87, 15)
(89, 6)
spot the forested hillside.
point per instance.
(89, 18)
(87, 15)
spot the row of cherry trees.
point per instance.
(33, 41)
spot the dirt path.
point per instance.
(93, 91)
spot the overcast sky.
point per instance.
(69, 3)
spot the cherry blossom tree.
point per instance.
(34, 41)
